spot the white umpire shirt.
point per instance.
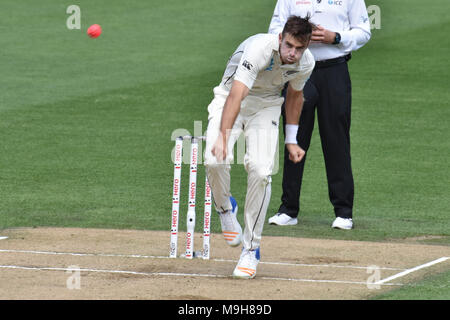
(348, 17)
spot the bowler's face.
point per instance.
(291, 49)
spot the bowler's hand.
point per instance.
(296, 153)
(320, 34)
(219, 149)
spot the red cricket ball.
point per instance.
(94, 31)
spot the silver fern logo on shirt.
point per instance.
(270, 67)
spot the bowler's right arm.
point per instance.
(230, 112)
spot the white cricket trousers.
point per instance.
(258, 120)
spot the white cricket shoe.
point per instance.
(231, 229)
(342, 223)
(246, 267)
(282, 219)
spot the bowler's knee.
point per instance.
(258, 172)
(214, 167)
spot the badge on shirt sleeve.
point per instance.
(247, 65)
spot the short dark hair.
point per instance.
(298, 27)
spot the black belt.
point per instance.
(330, 62)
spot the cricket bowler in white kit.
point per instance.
(248, 101)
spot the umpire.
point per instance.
(342, 26)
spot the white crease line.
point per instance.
(167, 257)
(329, 281)
(408, 271)
(85, 254)
(114, 271)
(3, 238)
(177, 274)
(324, 265)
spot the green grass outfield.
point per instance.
(434, 287)
(87, 126)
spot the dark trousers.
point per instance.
(329, 92)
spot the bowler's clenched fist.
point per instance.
(296, 153)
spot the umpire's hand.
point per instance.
(296, 153)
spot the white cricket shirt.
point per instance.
(348, 17)
(257, 64)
